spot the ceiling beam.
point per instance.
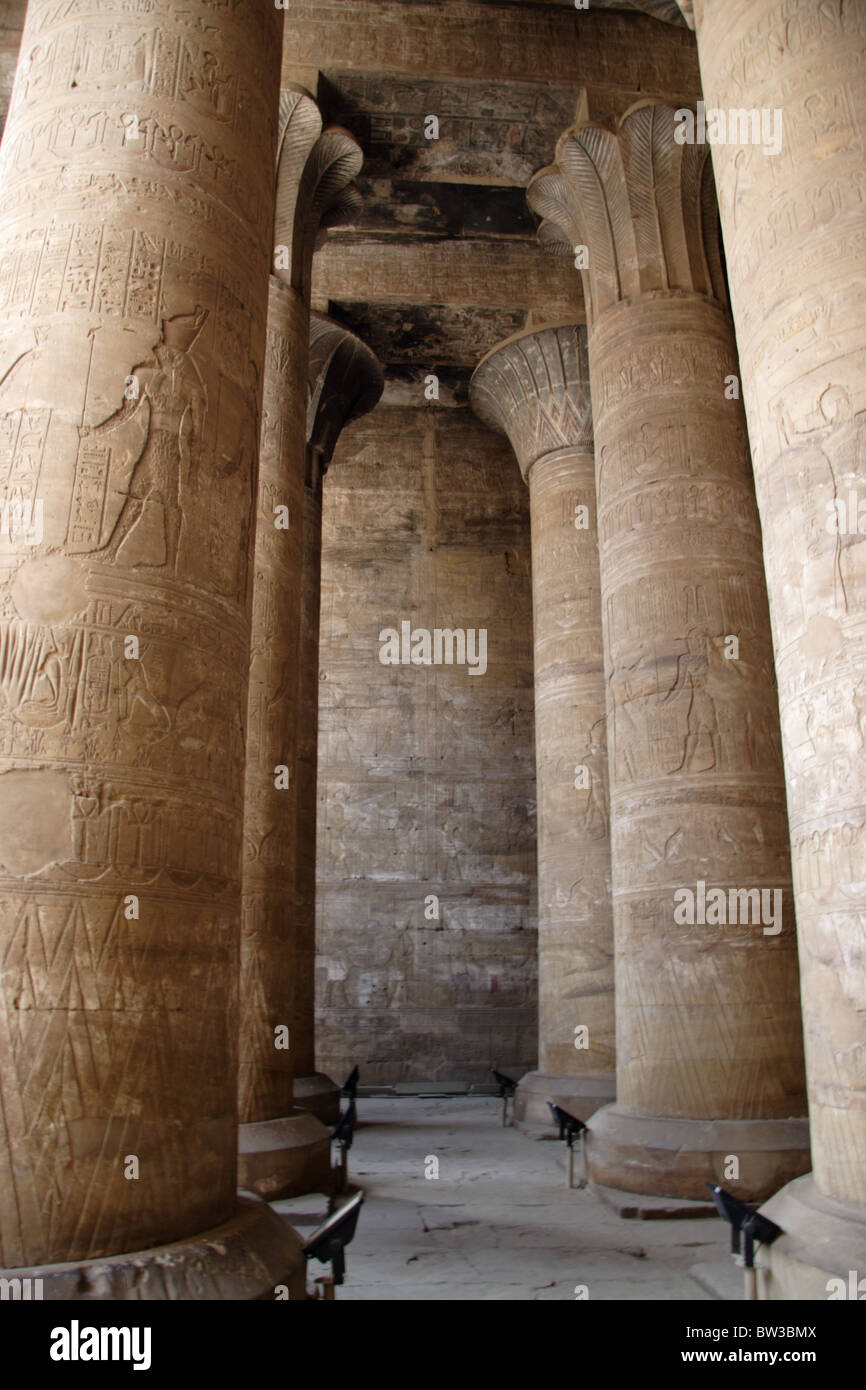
(616, 56)
(467, 273)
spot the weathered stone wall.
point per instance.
(11, 23)
(426, 773)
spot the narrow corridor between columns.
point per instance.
(498, 1223)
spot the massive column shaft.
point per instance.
(313, 1087)
(345, 382)
(793, 229)
(265, 1073)
(281, 1153)
(136, 205)
(709, 1056)
(536, 388)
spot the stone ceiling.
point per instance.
(443, 261)
(666, 10)
(468, 184)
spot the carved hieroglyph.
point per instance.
(707, 1015)
(425, 914)
(136, 205)
(345, 382)
(793, 226)
(595, 49)
(536, 389)
(312, 176)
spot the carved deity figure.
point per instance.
(148, 529)
(694, 678)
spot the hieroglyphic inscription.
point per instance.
(136, 212)
(795, 240)
(536, 389)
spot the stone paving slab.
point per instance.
(498, 1223)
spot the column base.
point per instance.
(824, 1240)
(285, 1157)
(244, 1259)
(582, 1095)
(666, 1157)
(318, 1095)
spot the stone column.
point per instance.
(709, 1052)
(282, 1152)
(136, 206)
(792, 223)
(536, 389)
(345, 382)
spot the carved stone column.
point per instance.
(536, 389)
(796, 254)
(282, 1151)
(345, 382)
(136, 207)
(709, 1053)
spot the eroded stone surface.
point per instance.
(132, 330)
(280, 1158)
(425, 773)
(254, 1255)
(594, 50)
(344, 382)
(793, 229)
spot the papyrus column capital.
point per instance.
(345, 382)
(535, 388)
(314, 174)
(642, 204)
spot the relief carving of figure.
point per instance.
(595, 810)
(149, 527)
(205, 87)
(694, 680)
(33, 673)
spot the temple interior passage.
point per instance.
(458, 1208)
(433, 650)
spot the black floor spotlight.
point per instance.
(343, 1136)
(328, 1244)
(350, 1085)
(747, 1222)
(570, 1128)
(507, 1087)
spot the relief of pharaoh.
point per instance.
(159, 430)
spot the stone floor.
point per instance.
(498, 1222)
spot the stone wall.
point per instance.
(426, 773)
